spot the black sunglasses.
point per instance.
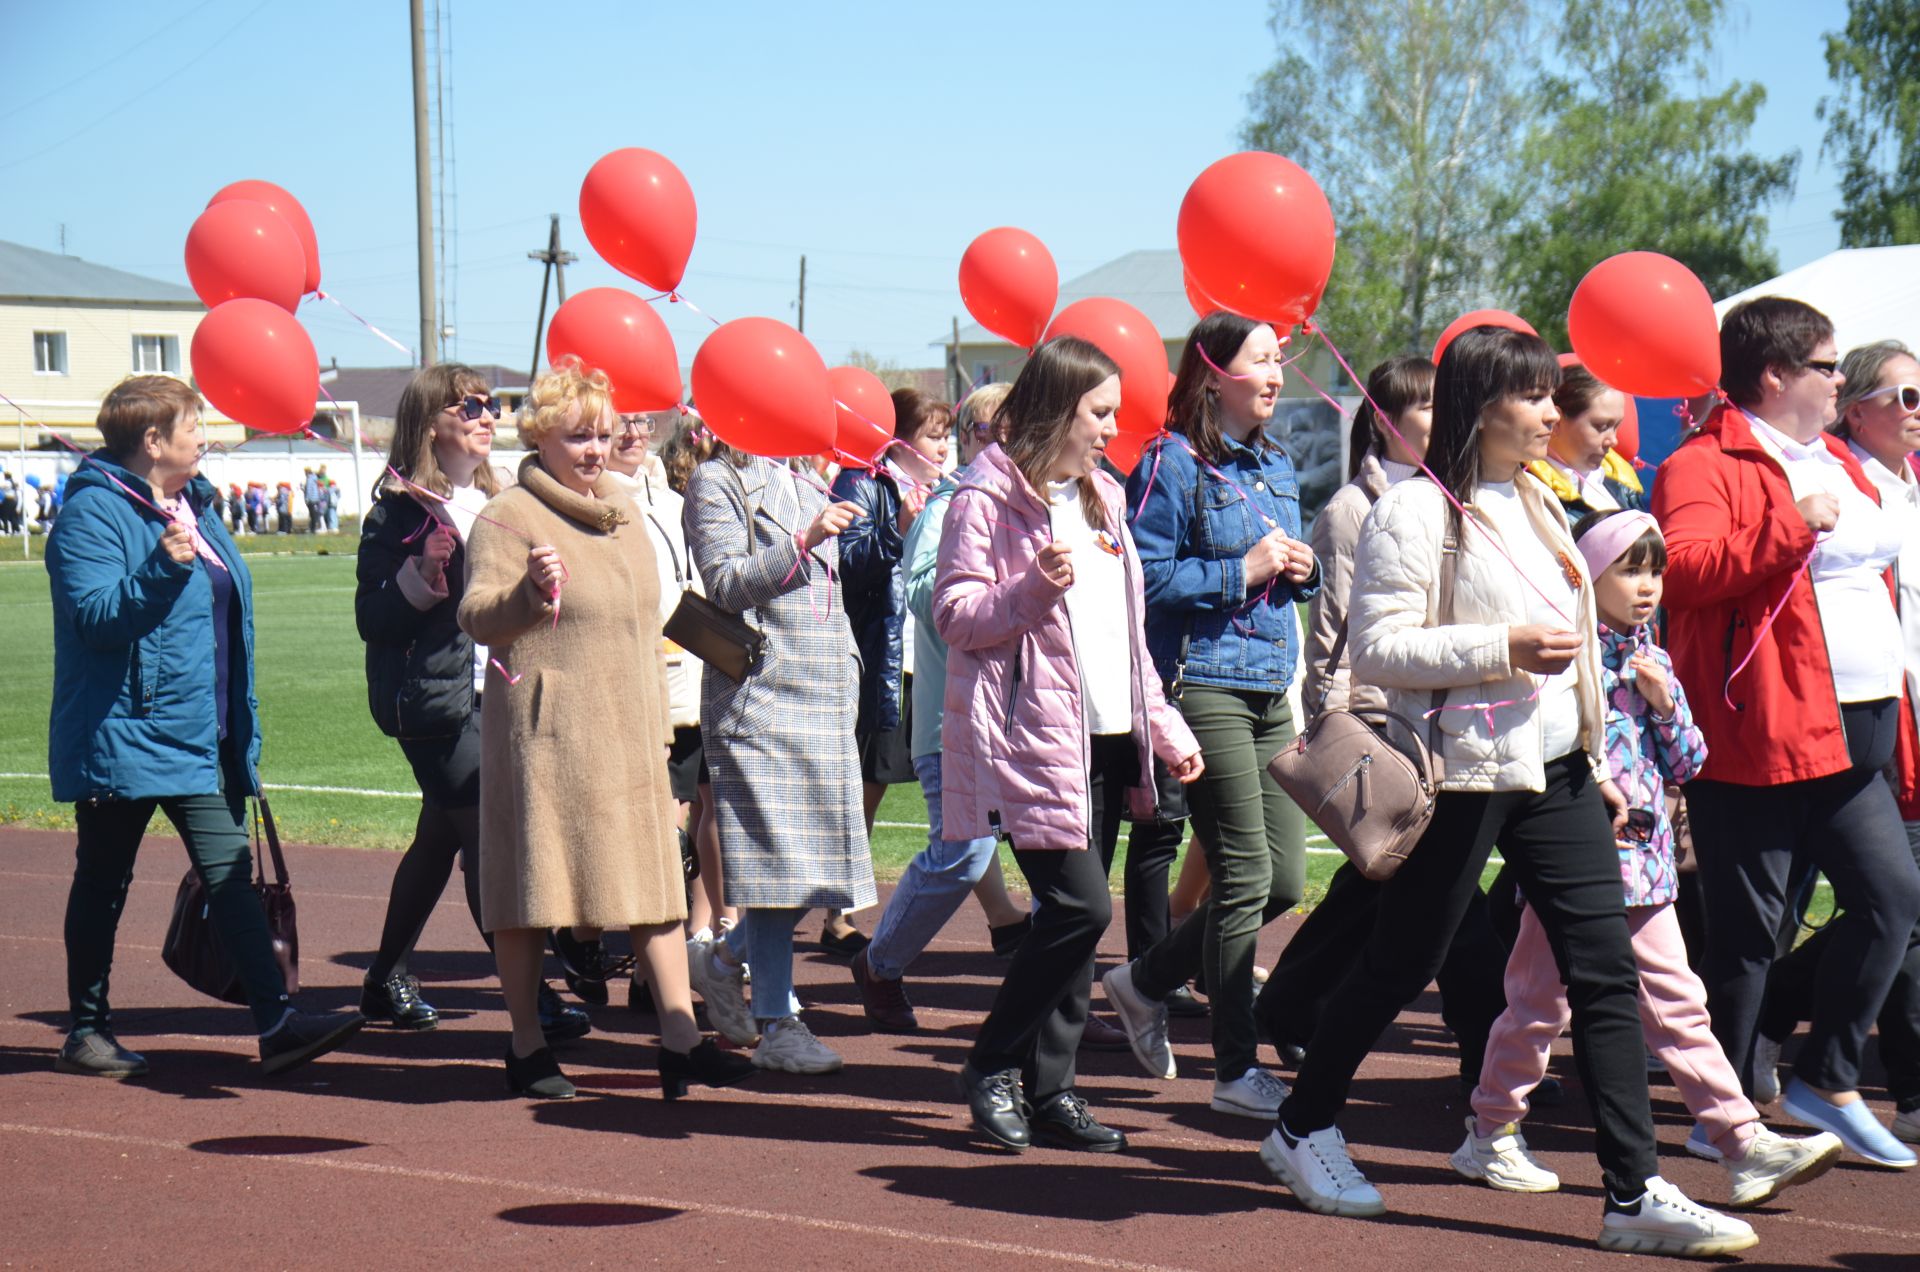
(1825, 366)
(471, 406)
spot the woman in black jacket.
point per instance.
(424, 673)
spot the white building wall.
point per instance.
(99, 351)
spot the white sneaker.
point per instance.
(1255, 1093)
(1317, 1170)
(790, 1046)
(1906, 1126)
(1766, 1069)
(1775, 1161)
(1144, 1021)
(1665, 1221)
(1502, 1161)
(721, 986)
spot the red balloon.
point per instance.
(863, 412)
(255, 362)
(242, 248)
(1643, 323)
(1627, 440)
(761, 387)
(1256, 234)
(1009, 284)
(1123, 333)
(638, 212)
(1479, 318)
(290, 211)
(617, 332)
(1123, 452)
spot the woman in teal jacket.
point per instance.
(154, 708)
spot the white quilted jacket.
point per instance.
(1399, 646)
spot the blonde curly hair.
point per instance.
(569, 391)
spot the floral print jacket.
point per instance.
(1647, 754)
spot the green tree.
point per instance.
(1618, 160)
(1404, 111)
(1873, 122)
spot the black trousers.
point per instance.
(1560, 842)
(1331, 940)
(1152, 848)
(448, 828)
(1041, 1009)
(1755, 843)
(214, 828)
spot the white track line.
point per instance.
(562, 1192)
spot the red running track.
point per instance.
(404, 1151)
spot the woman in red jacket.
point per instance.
(1781, 614)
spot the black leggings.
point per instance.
(1754, 842)
(448, 771)
(1561, 844)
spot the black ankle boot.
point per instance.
(537, 1075)
(705, 1064)
(559, 1022)
(396, 1001)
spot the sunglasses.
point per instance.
(472, 406)
(1908, 395)
(1825, 366)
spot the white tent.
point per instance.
(1871, 293)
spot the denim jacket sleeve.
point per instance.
(1160, 498)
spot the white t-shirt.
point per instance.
(1592, 485)
(1868, 658)
(1900, 495)
(1559, 700)
(464, 508)
(1096, 611)
(1396, 472)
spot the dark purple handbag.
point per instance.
(193, 948)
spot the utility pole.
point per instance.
(423, 191)
(556, 262)
(803, 294)
(953, 360)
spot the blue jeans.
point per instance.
(937, 882)
(764, 939)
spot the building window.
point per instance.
(50, 352)
(156, 355)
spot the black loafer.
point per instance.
(559, 1022)
(1007, 937)
(845, 944)
(1292, 1054)
(640, 998)
(537, 1075)
(586, 965)
(99, 1054)
(998, 1111)
(1064, 1122)
(1181, 1002)
(396, 1001)
(304, 1036)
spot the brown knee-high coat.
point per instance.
(576, 818)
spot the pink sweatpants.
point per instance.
(1673, 1012)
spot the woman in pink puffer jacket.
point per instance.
(1053, 715)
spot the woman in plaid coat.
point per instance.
(786, 774)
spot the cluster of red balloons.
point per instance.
(251, 256)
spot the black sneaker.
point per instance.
(396, 1001)
(1065, 1122)
(98, 1054)
(998, 1111)
(1181, 1002)
(301, 1036)
(559, 1022)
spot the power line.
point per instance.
(173, 24)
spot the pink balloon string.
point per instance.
(1224, 374)
(176, 515)
(1486, 709)
(335, 300)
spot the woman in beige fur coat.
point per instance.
(576, 818)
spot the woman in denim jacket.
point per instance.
(1216, 514)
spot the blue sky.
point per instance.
(876, 138)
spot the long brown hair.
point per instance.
(1402, 381)
(1193, 408)
(430, 391)
(1041, 407)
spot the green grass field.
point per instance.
(310, 663)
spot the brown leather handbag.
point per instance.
(1371, 794)
(193, 948)
(720, 639)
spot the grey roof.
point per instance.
(27, 273)
(378, 389)
(1151, 281)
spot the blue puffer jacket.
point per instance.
(875, 590)
(133, 676)
(1192, 530)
